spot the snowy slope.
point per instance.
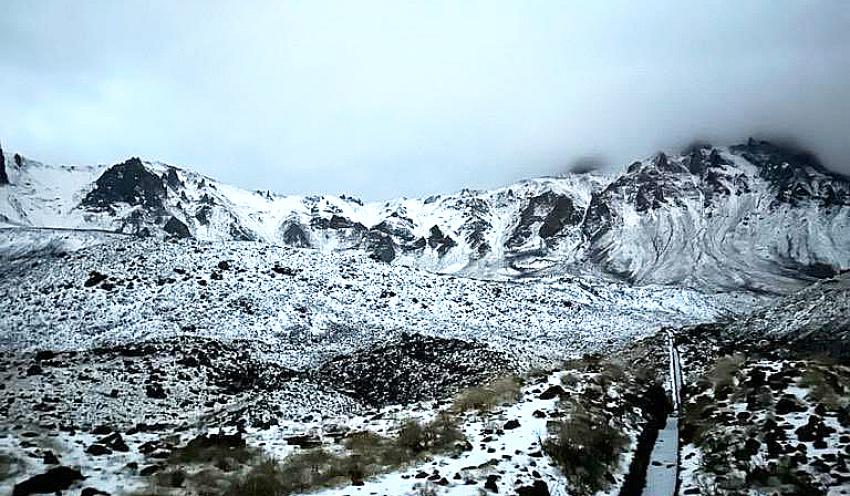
(750, 216)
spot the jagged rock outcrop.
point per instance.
(4, 178)
(177, 228)
(129, 182)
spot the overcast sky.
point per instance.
(383, 99)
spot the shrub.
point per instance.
(9, 466)
(439, 435)
(265, 479)
(586, 448)
(490, 395)
(298, 472)
(826, 385)
(367, 454)
(220, 450)
(696, 425)
(723, 375)
(611, 372)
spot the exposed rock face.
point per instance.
(172, 179)
(128, 182)
(816, 320)
(292, 234)
(380, 246)
(745, 217)
(177, 228)
(549, 213)
(4, 178)
(796, 175)
(442, 242)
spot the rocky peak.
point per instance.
(441, 242)
(795, 174)
(129, 182)
(172, 179)
(4, 178)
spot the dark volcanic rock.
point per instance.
(511, 424)
(293, 234)
(490, 484)
(98, 450)
(539, 488)
(442, 242)
(95, 278)
(4, 178)
(551, 210)
(304, 441)
(115, 442)
(413, 368)
(53, 481)
(128, 182)
(380, 246)
(794, 172)
(177, 228)
(90, 491)
(155, 391)
(172, 179)
(49, 458)
(205, 441)
(552, 392)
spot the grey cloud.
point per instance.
(381, 99)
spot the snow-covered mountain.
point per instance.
(166, 333)
(755, 216)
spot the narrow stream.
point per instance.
(663, 470)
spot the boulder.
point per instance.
(53, 481)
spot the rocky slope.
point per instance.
(301, 306)
(767, 400)
(754, 216)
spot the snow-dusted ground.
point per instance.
(506, 455)
(792, 425)
(768, 397)
(34, 242)
(513, 455)
(300, 306)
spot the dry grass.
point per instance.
(586, 447)
(828, 385)
(505, 390)
(367, 454)
(9, 466)
(724, 374)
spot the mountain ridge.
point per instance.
(755, 216)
